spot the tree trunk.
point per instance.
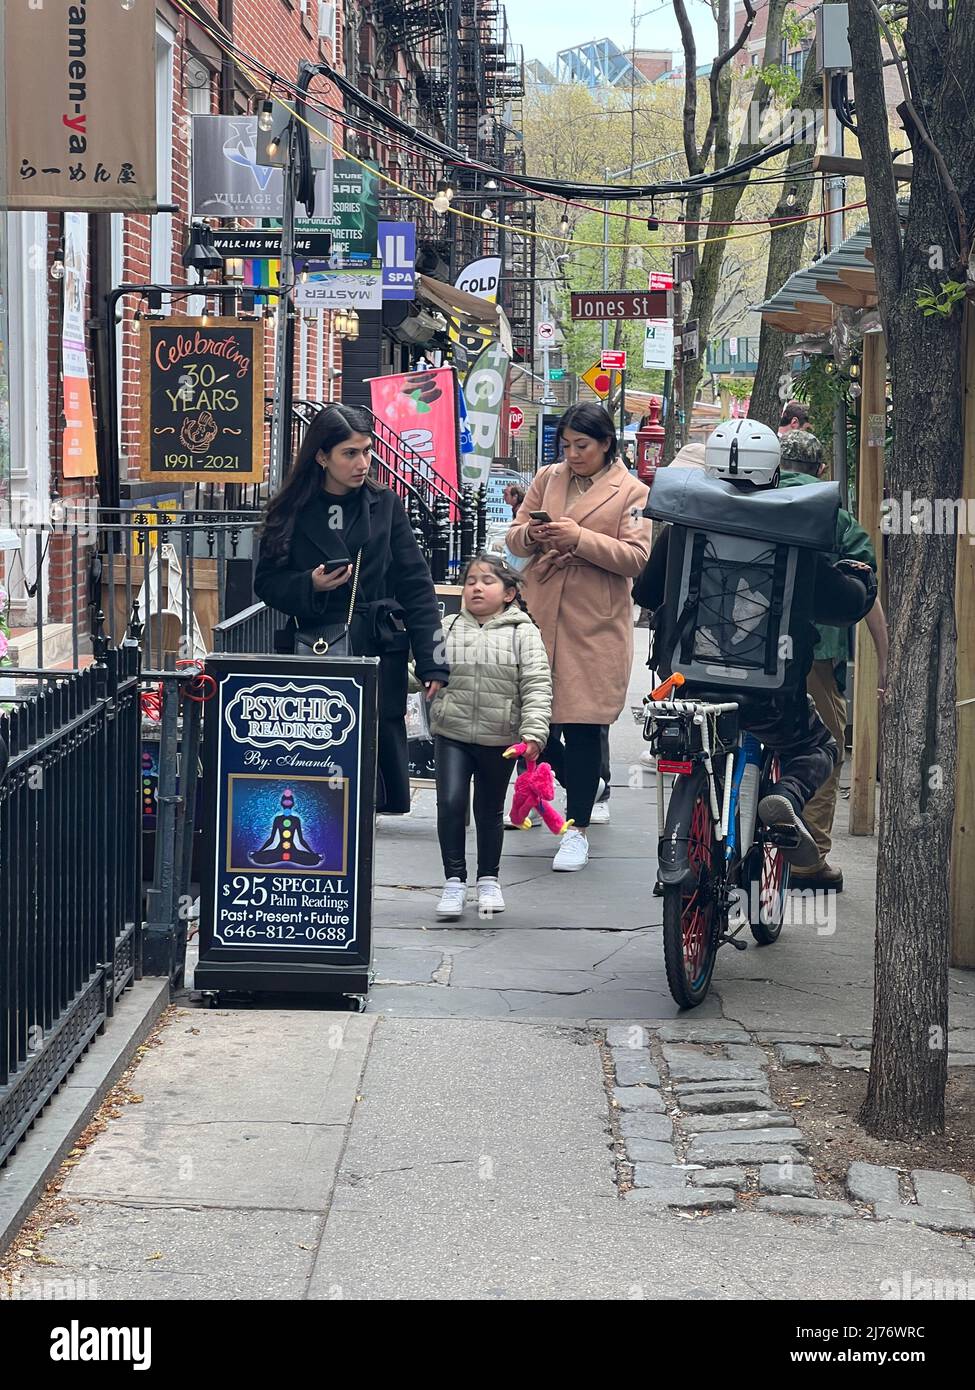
(784, 259)
(908, 1071)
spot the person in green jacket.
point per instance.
(500, 693)
(802, 462)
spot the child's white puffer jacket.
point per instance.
(500, 688)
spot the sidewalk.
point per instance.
(458, 1140)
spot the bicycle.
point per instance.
(713, 855)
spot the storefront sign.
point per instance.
(79, 459)
(422, 408)
(397, 250)
(203, 400)
(353, 216)
(480, 278)
(227, 179)
(289, 762)
(484, 389)
(78, 87)
(354, 287)
(266, 246)
(608, 304)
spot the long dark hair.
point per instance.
(594, 420)
(331, 426)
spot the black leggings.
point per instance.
(575, 752)
(457, 763)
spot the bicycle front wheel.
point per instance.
(690, 937)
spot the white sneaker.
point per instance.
(490, 899)
(648, 759)
(573, 852)
(452, 901)
(599, 815)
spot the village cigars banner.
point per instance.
(78, 458)
(484, 391)
(421, 407)
(79, 96)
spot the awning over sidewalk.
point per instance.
(844, 278)
(466, 310)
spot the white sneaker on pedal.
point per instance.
(778, 812)
(452, 901)
(599, 814)
(573, 852)
(490, 899)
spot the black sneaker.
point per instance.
(778, 813)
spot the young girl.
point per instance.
(500, 693)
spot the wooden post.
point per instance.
(870, 495)
(963, 832)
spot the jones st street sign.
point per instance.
(609, 304)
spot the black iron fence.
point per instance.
(70, 892)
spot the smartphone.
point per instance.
(541, 518)
(330, 566)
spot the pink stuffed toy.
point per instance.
(535, 787)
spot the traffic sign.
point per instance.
(613, 360)
(516, 418)
(546, 332)
(556, 373)
(690, 338)
(660, 280)
(597, 380)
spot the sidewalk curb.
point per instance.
(54, 1132)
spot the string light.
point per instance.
(564, 225)
(489, 213)
(441, 201)
(792, 198)
(57, 270)
(266, 119)
(127, 4)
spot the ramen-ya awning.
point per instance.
(466, 309)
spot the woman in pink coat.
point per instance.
(577, 588)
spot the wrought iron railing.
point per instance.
(70, 912)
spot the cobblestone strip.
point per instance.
(695, 1129)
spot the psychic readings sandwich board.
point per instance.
(289, 768)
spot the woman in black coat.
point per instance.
(330, 509)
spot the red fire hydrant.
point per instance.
(650, 444)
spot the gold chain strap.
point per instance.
(355, 586)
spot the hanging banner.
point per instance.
(354, 287)
(658, 344)
(79, 84)
(78, 455)
(484, 389)
(482, 279)
(227, 179)
(202, 388)
(421, 407)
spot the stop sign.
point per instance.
(516, 418)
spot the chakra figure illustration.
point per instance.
(286, 843)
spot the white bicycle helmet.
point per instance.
(743, 451)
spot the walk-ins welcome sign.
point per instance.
(289, 786)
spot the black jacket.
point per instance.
(392, 567)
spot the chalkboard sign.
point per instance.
(289, 764)
(423, 768)
(203, 400)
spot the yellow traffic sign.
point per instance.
(597, 380)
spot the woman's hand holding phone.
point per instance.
(323, 578)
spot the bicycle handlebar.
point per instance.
(687, 707)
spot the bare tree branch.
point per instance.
(713, 81)
(694, 165)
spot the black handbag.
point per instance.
(331, 639)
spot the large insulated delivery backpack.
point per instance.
(738, 596)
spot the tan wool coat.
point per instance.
(581, 601)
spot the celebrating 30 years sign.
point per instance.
(289, 785)
(203, 400)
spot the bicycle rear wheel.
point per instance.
(767, 877)
(690, 938)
